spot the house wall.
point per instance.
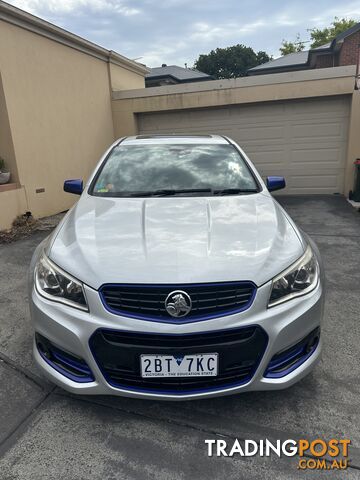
(12, 203)
(350, 50)
(353, 151)
(325, 61)
(55, 114)
(123, 79)
(58, 103)
(6, 144)
(348, 54)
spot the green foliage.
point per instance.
(321, 36)
(292, 47)
(2, 164)
(318, 36)
(230, 62)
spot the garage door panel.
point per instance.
(264, 160)
(199, 117)
(256, 112)
(327, 155)
(318, 106)
(317, 131)
(301, 181)
(263, 132)
(304, 140)
(320, 180)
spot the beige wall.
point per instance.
(6, 144)
(58, 103)
(55, 112)
(55, 109)
(12, 204)
(353, 142)
(123, 79)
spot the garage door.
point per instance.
(303, 140)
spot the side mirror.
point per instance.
(275, 183)
(73, 186)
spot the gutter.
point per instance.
(283, 69)
(178, 80)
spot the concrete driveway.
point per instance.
(48, 434)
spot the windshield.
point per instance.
(136, 170)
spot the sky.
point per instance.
(176, 32)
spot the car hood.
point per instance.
(175, 240)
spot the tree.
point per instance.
(321, 36)
(292, 47)
(230, 62)
(318, 36)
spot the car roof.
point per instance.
(174, 139)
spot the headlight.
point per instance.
(299, 279)
(54, 284)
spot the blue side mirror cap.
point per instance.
(275, 183)
(73, 186)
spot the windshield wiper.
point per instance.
(169, 191)
(235, 191)
(164, 192)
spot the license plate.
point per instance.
(197, 365)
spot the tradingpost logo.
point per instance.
(317, 454)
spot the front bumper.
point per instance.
(70, 329)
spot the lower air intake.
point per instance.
(69, 365)
(288, 360)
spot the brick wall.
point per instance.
(350, 50)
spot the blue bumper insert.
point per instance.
(69, 365)
(288, 360)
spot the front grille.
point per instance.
(118, 357)
(209, 300)
(68, 364)
(288, 360)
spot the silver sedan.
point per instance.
(176, 275)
